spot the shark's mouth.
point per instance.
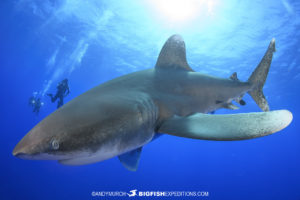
(84, 158)
(44, 156)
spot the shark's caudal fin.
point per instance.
(227, 127)
(259, 76)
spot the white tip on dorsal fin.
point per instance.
(173, 55)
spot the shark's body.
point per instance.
(120, 116)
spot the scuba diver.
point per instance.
(62, 91)
(36, 104)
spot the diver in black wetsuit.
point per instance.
(62, 91)
(36, 104)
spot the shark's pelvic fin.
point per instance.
(230, 106)
(131, 159)
(259, 76)
(173, 55)
(227, 127)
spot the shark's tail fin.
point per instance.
(259, 76)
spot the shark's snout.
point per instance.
(17, 152)
(40, 144)
(22, 155)
(31, 144)
(24, 148)
(33, 150)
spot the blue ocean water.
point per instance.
(90, 42)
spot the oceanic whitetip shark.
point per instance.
(119, 117)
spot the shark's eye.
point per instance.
(54, 144)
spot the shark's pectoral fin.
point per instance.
(227, 127)
(131, 159)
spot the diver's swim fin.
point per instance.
(259, 76)
(227, 127)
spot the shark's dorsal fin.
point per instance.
(131, 159)
(173, 55)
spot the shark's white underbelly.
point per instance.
(104, 153)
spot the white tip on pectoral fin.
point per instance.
(228, 127)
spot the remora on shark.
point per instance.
(119, 117)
